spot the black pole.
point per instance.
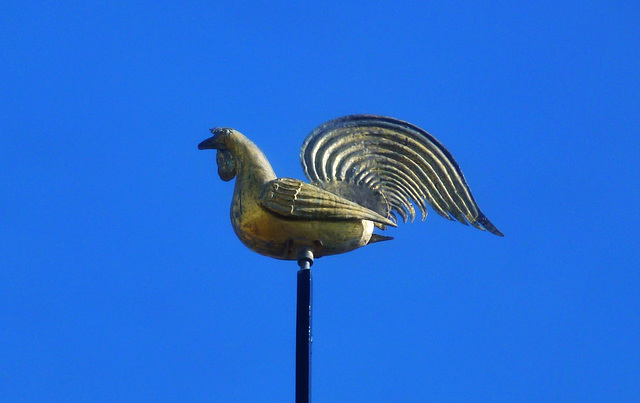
(303, 328)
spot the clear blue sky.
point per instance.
(121, 278)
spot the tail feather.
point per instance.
(379, 238)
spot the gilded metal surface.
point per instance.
(395, 159)
(363, 169)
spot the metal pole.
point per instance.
(303, 328)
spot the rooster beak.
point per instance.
(212, 143)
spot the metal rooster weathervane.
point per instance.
(363, 169)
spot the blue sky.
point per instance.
(121, 277)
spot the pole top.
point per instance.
(305, 255)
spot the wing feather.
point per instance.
(296, 199)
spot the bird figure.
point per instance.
(363, 169)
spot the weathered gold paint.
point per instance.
(265, 232)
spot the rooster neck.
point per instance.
(253, 171)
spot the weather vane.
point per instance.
(363, 170)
